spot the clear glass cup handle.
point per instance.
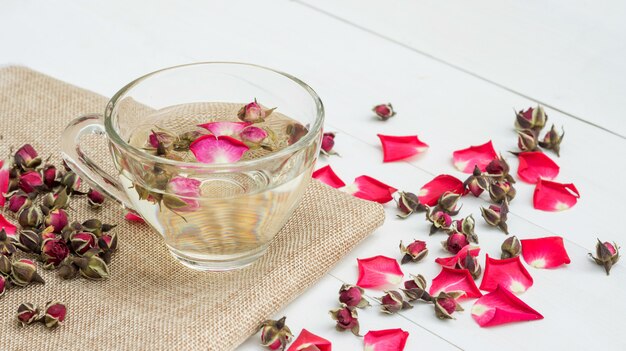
(78, 161)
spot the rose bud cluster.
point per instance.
(347, 318)
(253, 112)
(352, 296)
(607, 254)
(415, 289)
(328, 143)
(53, 314)
(414, 252)
(393, 302)
(466, 226)
(511, 247)
(496, 216)
(455, 242)
(529, 125)
(95, 198)
(446, 304)
(408, 203)
(275, 334)
(384, 111)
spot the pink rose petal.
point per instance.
(548, 252)
(133, 217)
(534, 165)
(481, 155)
(8, 227)
(450, 279)
(308, 341)
(553, 196)
(223, 149)
(400, 147)
(502, 307)
(450, 262)
(224, 128)
(188, 189)
(385, 340)
(379, 272)
(368, 188)
(431, 191)
(327, 176)
(509, 273)
(4, 181)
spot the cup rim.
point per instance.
(300, 144)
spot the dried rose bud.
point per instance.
(54, 315)
(352, 296)
(499, 169)
(501, 190)
(328, 142)
(82, 242)
(466, 226)
(96, 227)
(30, 217)
(254, 112)
(455, 242)
(408, 204)
(24, 272)
(71, 181)
(53, 252)
(384, 111)
(30, 181)
(414, 252)
(27, 313)
(511, 247)
(18, 201)
(3, 285)
(532, 118)
(67, 269)
(14, 178)
(393, 302)
(7, 244)
(57, 219)
(347, 319)
(607, 254)
(439, 220)
(476, 183)
(447, 203)
(275, 334)
(527, 140)
(446, 305)
(470, 263)
(26, 157)
(161, 141)
(91, 266)
(295, 131)
(60, 200)
(29, 241)
(496, 216)
(5, 266)
(95, 198)
(185, 139)
(415, 289)
(108, 244)
(50, 176)
(552, 140)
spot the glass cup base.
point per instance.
(218, 263)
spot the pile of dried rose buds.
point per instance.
(51, 316)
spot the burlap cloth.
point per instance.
(151, 302)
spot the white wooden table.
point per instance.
(454, 70)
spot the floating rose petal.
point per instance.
(187, 190)
(553, 196)
(223, 149)
(400, 147)
(379, 272)
(225, 128)
(368, 188)
(534, 165)
(547, 252)
(133, 217)
(385, 340)
(480, 155)
(327, 176)
(431, 191)
(4, 181)
(8, 227)
(308, 341)
(502, 307)
(450, 262)
(510, 273)
(450, 280)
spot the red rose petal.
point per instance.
(379, 272)
(450, 279)
(534, 165)
(400, 147)
(481, 155)
(327, 176)
(431, 191)
(225, 128)
(509, 273)
(8, 227)
(133, 217)
(4, 181)
(308, 341)
(385, 340)
(368, 188)
(451, 262)
(223, 149)
(548, 252)
(553, 196)
(501, 307)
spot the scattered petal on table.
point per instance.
(385, 340)
(368, 188)
(4, 181)
(547, 252)
(400, 147)
(450, 280)
(379, 272)
(223, 149)
(535, 165)
(479, 155)
(225, 128)
(133, 217)
(509, 273)
(308, 341)
(450, 262)
(501, 307)
(553, 196)
(327, 176)
(8, 227)
(431, 191)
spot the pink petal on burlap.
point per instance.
(535, 165)
(224, 128)
(553, 196)
(431, 191)
(450, 280)
(223, 149)
(502, 307)
(400, 147)
(8, 227)
(327, 176)
(379, 272)
(478, 155)
(385, 340)
(308, 341)
(368, 188)
(548, 252)
(451, 261)
(4, 181)
(133, 217)
(509, 273)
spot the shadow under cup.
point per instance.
(217, 216)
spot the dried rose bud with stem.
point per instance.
(511, 247)
(607, 254)
(393, 302)
(414, 252)
(347, 318)
(408, 203)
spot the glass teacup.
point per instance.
(216, 216)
